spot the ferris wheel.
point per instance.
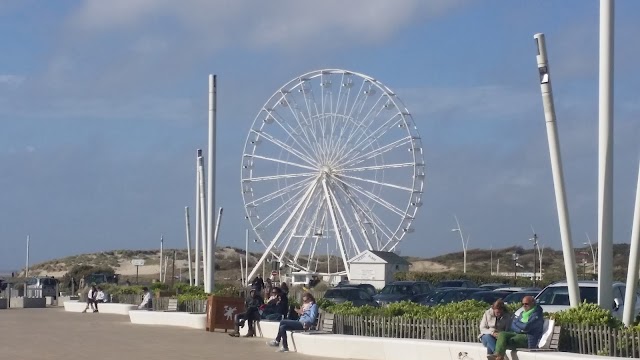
(332, 166)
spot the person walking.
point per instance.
(91, 299)
(147, 300)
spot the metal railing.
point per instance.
(580, 339)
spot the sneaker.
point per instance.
(283, 350)
(273, 343)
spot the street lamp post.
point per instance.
(593, 253)
(465, 245)
(515, 257)
(534, 239)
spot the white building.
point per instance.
(376, 267)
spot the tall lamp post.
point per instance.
(465, 245)
(593, 253)
(515, 257)
(534, 239)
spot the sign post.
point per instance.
(137, 263)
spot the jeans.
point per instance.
(489, 342)
(511, 340)
(282, 331)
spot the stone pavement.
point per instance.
(43, 334)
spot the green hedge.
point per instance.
(479, 279)
(585, 314)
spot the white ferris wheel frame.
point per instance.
(322, 163)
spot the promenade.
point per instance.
(43, 334)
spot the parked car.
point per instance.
(401, 290)
(555, 297)
(457, 284)
(489, 296)
(370, 289)
(493, 286)
(510, 289)
(357, 296)
(516, 297)
(42, 286)
(446, 296)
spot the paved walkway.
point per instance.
(43, 334)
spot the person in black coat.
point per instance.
(252, 313)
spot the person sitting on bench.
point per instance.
(277, 306)
(147, 300)
(526, 329)
(252, 313)
(494, 321)
(308, 316)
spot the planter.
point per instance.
(221, 311)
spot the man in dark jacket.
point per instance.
(252, 313)
(526, 329)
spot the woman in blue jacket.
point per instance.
(308, 315)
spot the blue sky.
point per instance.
(102, 105)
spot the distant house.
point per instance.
(376, 267)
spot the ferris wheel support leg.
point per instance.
(305, 200)
(336, 228)
(344, 221)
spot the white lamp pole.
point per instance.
(556, 169)
(198, 216)
(605, 157)
(593, 252)
(634, 263)
(188, 230)
(161, 256)
(465, 245)
(211, 189)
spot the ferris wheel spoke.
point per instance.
(371, 137)
(278, 177)
(378, 183)
(378, 167)
(280, 161)
(301, 126)
(369, 215)
(288, 148)
(287, 129)
(358, 158)
(302, 241)
(372, 196)
(280, 192)
(280, 210)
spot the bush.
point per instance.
(587, 314)
(465, 310)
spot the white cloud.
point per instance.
(288, 24)
(9, 79)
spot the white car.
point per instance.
(555, 297)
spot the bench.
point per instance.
(549, 341)
(324, 325)
(172, 306)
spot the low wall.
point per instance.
(267, 329)
(103, 308)
(375, 348)
(28, 303)
(169, 318)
